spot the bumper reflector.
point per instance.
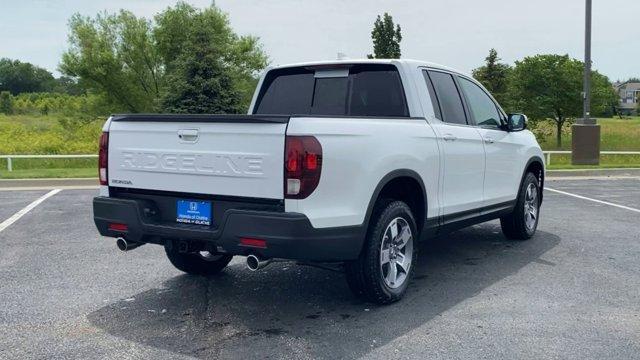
(258, 243)
(118, 227)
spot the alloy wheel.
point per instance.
(396, 253)
(531, 206)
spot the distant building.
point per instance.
(629, 94)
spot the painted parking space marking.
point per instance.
(594, 200)
(15, 217)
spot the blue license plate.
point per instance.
(193, 212)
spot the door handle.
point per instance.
(449, 137)
(488, 140)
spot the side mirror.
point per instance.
(517, 122)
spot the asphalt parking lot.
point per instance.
(571, 292)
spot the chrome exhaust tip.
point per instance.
(125, 245)
(255, 263)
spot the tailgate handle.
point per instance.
(188, 135)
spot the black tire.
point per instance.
(514, 226)
(365, 275)
(196, 264)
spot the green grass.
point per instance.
(55, 134)
(47, 135)
(615, 135)
(51, 134)
(591, 167)
(563, 161)
(49, 173)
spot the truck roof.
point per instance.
(408, 62)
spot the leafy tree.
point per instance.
(386, 38)
(114, 54)
(18, 77)
(550, 87)
(494, 76)
(6, 102)
(604, 99)
(198, 82)
(210, 68)
(139, 64)
(68, 85)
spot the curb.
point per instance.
(44, 184)
(617, 172)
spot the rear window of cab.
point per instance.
(357, 90)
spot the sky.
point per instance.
(456, 33)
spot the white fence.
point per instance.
(10, 157)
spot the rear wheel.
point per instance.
(198, 263)
(383, 271)
(522, 223)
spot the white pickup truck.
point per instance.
(341, 163)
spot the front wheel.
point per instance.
(383, 271)
(199, 263)
(522, 223)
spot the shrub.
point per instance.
(6, 102)
(27, 134)
(545, 131)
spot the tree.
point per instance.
(18, 77)
(604, 98)
(198, 82)
(115, 55)
(550, 87)
(6, 102)
(68, 85)
(136, 62)
(210, 68)
(494, 76)
(386, 38)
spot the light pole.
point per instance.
(586, 114)
(585, 143)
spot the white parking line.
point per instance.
(594, 200)
(5, 224)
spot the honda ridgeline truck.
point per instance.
(343, 163)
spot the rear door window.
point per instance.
(432, 96)
(366, 90)
(451, 107)
(377, 91)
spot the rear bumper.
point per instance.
(287, 235)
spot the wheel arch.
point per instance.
(535, 165)
(389, 185)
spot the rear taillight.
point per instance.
(103, 158)
(302, 166)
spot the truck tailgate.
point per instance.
(216, 155)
